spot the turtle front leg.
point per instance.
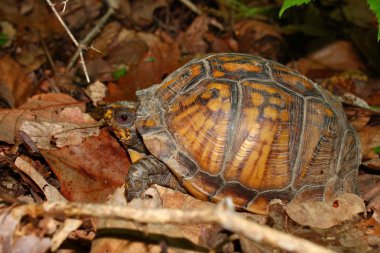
(148, 171)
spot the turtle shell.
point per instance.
(249, 128)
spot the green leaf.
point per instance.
(376, 150)
(290, 3)
(3, 39)
(374, 5)
(119, 73)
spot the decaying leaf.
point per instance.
(63, 133)
(51, 193)
(89, 172)
(67, 227)
(259, 38)
(369, 138)
(319, 214)
(97, 92)
(15, 84)
(39, 108)
(14, 240)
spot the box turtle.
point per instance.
(240, 126)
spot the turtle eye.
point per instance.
(124, 118)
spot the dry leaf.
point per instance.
(40, 108)
(369, 139)
(373, 164)
(62, 134)
(9, 242)
(259, 38)
(325, 214)
(51, 193)
(90, 171)
(15, 84)
(66, 228)
(97, 92)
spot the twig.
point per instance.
(219, 215)
(79, 46)
(91, 35)
(191, 6)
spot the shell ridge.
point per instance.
(297, 163)
(236, 108)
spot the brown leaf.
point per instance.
(259, 38)
(194, 39)
(40, 108)
(160, 60)
(334, 58)
(373, 164)
(15, 84)
(10, 242)
(369, 138)
(90, 171)
(320, 214)
(142, 11)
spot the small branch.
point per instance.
(79, 46)
(191, 6)
(63, 23)
(219, 215)
(91, 35)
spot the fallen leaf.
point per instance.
(23, 242)
(332, 59)
(193, 40)
(160, 60)
(61, 134)
(142, 11)
(259, 38)
(96, 91)
(51, 193)
(325, 214)
(89, 172)
(66, 228)
(373, 164)
(369, 139)
(15, 84)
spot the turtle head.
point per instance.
(121, 117)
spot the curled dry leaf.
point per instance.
(97, 92)
(9, 242)
(51, 193)
(67, 227)
(325, 214)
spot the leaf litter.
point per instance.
(89, 165)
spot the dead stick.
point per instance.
(219, 215)
(79, 46)
(191, 6)
(91, 35)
